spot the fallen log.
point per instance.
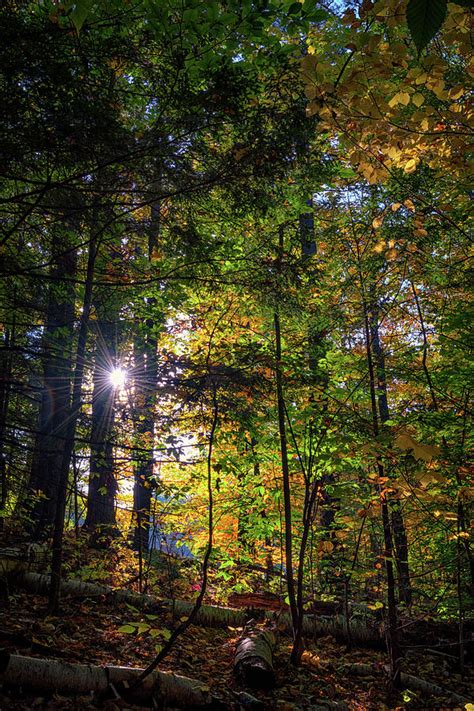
(258, 601)
(253, 663)
(27, 556)
(362, 631)
(28, 642)
(163, 689)
(210, 615)
(408, 681)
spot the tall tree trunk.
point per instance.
(6, 361)
(392, 627)
(145, 384)
(296, 651)
(146, 377)
(102, 484)
(57, 555)
(398, 523)
(247, 502)
(56, 387)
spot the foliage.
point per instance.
(196, 170)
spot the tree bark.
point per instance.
(397, 520)
(392, 627)
(70, 433)
(56, 387)
(253, 664)
(146, 377)
(407, 681)
(166, 689)
(102, 484)
(6, 363)
(296, 651)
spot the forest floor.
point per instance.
(88, 632)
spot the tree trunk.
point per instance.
(286, 484)
(397, 521)
(56, 391)
(165, 689)
(145, 385)
(146, 377)
(392, 626)
(70, 433)
(6, 361)
(102, 484)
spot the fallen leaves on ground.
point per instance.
(88, 632)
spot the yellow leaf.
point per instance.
(418, 99)
(410, 165)
(409, 204)
(327, 546)
(401, 97)
(377, 222)
(396, 206)
(455, 93)
(425, 452)
(380, 246)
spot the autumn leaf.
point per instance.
(410, 166)
(407, 443)
(418, 99)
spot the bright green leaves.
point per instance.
(424, 18)
(127, 629)
(144, 627)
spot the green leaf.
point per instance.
(295, 8)
(80, 12)
(142, 627)
(127, 629)
(424, 18)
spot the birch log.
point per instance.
(408, 681)
(208, 616)
(362, 631)
(164, 689)
(253, 663)
(27, 556)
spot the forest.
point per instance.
(235, 355)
